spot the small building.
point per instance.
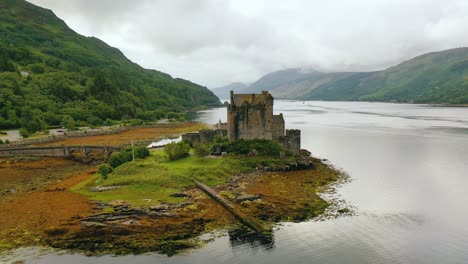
(24, 73)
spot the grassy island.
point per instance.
(152, 204)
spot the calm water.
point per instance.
(409, 166)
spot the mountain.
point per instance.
(437, 77)
(279, 80)
(223, 91)
(49, 73)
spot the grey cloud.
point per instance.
(214, 42)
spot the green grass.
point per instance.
(156, 178)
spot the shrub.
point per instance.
(219, 139)
(177, 150)
(7, 141)
(141, 152)
(24, 132)
(119, 158)
(104, 170)
(203, 150)
(1, 141)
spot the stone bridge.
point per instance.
(81, 153)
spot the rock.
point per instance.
(119, 208)
(180, 205)
(159, 207)
(247, 197)
(117, 203)
(131, 222)
(117, 217)
(92, 224)
(179, 195)
(104, 188)
(305, 153)
(168, 214)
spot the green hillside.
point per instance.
(77, 78)
(438, 77)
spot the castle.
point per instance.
(250, 116)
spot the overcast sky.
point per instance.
(216, 42)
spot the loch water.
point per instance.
(409, 170)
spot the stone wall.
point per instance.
(278, 127)
(203, 136)
(292, 141)
(192, 138)
(88, 153)
(206, 135)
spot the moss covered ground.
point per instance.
(152, 180)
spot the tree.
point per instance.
(68, 122)
(37, 68)
(175, 116)
(31, 120)
(104, 170)
(177, 150)
(5, 63)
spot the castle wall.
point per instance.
(250, 117)
(203, 136)
(278, 127)
(206, 135)
(292, 141)
(193, 138)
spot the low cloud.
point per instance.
(215, 42)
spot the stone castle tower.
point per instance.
(250, 116)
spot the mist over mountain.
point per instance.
(436, 77)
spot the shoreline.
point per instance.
(118, 227)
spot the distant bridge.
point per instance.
(82, 153)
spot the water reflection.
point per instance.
(244, 237)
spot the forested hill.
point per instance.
(437, 77)
(49, 73)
